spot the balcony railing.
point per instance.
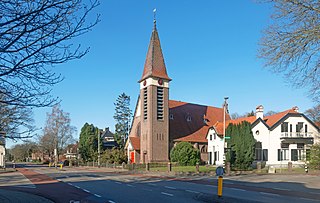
(297, 134)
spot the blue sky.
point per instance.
(210, 50)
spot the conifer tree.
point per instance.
(241, 153)
(88, 142)
(122, 116)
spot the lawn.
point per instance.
(184, 169)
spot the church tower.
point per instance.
(154, 97)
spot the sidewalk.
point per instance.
(9, 196)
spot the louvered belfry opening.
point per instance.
(160, 103)
(145, 104)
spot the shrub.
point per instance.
(114, 156)
(185, 154)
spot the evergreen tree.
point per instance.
(315, 157)
(122, 116)
(88, 142)
(241, 152)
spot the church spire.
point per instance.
(154, 65)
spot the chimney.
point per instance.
(296, 109)
(259, 112)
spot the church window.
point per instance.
(145, 104)
(160, 103)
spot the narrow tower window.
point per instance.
(160, 103)
(145, 104)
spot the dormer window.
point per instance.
(171, 116)
(189, 118)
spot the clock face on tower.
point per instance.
(160, 81)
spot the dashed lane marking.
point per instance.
(130, 185)
(110, 201)
(237, 189)
(96, 195)
(118, 183)
(77, 187)
(192, 191)
(172, 188)
(70, 184)
(86, 190)
(314, 200)
(211, 185)
(168, 194)
(284, 189)
(271, 194)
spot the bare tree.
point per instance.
(34, 36)
(291, 44)
(314, 113)
(58, 131)
(16, 121)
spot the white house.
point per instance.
(280, 138)
(215, 147)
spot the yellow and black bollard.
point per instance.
(220, 183)
(219, 173)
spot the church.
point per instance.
(159, 123)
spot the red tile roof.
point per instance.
(195, 130)
(270, 120)
(135, 142)
(154, 65)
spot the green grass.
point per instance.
(183, 169)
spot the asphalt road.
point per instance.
(97, 185)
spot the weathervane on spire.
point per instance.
(154, 17)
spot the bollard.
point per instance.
(197, 167)
(169, 167)
(228, 169)
(259, 167)
(306, 168)
(61, 165)
(220, 183)
(123, 165)
(289, 166)
(147, 167)
(219, 173)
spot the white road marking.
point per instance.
(168, 194)
(308, 199)
(192, 191)
(152, 184)
(230, 183)
(70, 184)
(97, 195)
(285, 189)
(238, 189)
(317, 193)
(26, 186)
(130, 185)
(172, 188)
(271, 194)
(110, 201)
(77, 187)
(86, 190)
(118, 183)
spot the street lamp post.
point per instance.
(225, 108)
(99, 149)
